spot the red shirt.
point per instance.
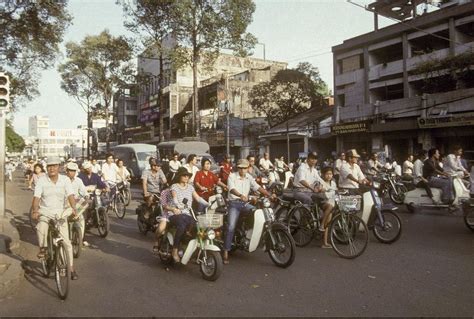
(226, 169)
(208, 180)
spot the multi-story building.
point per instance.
(61, 142)
(407, 86)
(36, 124)
(125, 112)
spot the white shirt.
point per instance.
(330, 191)
(373, 166)
(407, 167)
(417, 171)
(174, 165)
(96, 168)
(78, 188)
(123, 175)
(346, 170)
(193, 171)
(52, 195)
(453, 165)
(241, 185)
(265, 164)
(110, 172)
(305, 173)
(338, 164)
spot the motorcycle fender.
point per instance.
(190, 249)
(367, 203)
(259, 221)
(170, 238)
(211, 247)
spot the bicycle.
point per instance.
(56, 257)
(126, 194)
(348, 233)
(116, 201)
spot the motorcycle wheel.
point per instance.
(141, 223)
(120, 207)
(76, 241)
(283, 253)
(469, 218)
(103, 225)
(212, 268)
(301, 226)
(397, 199)
(392, 230)
(165, 251)
(354, 240)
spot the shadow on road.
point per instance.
(34, 275)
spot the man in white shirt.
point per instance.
(351, 174)
(307, 180)
(49, 199)
(95, 166)
(408, 168)
(239, 184)
(373, 165)
(109, 170)
(453, 164)
(265, 163)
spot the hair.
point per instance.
(432, 152)
(422, 154)
(326, 169)
(118, 160)
(409, 154)
(313, 155)
(456, 147)
(40, 166)
(191, 157)
(108, 155)
(204, 161)
(250, 156)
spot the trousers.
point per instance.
(236, 207)
(446, 185)
(42, 232)
(182, 222)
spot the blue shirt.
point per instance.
(93, 180)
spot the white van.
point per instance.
(135, 156)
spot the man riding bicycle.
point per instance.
(79, 190)
(49, 199)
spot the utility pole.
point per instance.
(3, 126)
(227, 114)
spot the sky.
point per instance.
(292, 31)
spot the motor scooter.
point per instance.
(208, 254)
(147, 217)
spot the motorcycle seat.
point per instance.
(288, 196)
(221, 210)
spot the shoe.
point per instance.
(42, 253)
(85, 244)
(74, 275)
(326, 246)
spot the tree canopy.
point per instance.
(14, 142)
(289, 93)
(30, 38)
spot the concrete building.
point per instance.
(125, 112)
(407, 86)
(36, 124)
(61, 142)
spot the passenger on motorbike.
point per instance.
(38, 171)
(438, 178)
(281, 167)
(407, 172)
(239, 184)
(351, 175)
(173, 164)
(180, 215)
(453, 164)
(226, 169)
(152, 183)
(123, 175)
(418, 178)
(337, 165)
(205, 181)
(253, 169)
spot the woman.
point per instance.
(205, 181)
(329, 188)
(180, 214)
(123, 175)
(38, 171)
(191, 166)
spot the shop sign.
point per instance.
(447, 121)
(347, 128)
(149, 115)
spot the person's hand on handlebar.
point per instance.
(35, 215)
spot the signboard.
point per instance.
(347, 128)
(149, 115)
(447, 121)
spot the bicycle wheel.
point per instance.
(127, 195)
(354, 240)
(76, 241)
(119, 205)
(301, 225)
(62, 270)
(391, 230)
(102, 222)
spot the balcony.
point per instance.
(350, 77)
(385, 70)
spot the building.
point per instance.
(36, 124)
(408, 86)
(125, 112)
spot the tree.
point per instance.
(151, 20)
(104, 60)
(202, 28)
(31, 33)
(14, 142)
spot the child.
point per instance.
(329, 187)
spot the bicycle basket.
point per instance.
(350, 203)
(210, 220)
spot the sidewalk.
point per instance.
(11, 270)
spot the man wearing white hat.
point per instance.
(79, 191)
(49, 199)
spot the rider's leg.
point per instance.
(234, 211)
(326, 220)
(42, 232)
(159, 232)
(423, 184)
(446, 187)
(179, 222)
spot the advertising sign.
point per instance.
(347, 128)
(447, 121)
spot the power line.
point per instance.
(310, 56)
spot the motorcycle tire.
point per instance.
(165, 251)
(301, 226)
(120, 207)
(393, 224)
(469, 218)
(285, 242)
(76, 241)
(349, 227)
(62, 271)
(397, 199)
(213, 269)
(103, 224)
(141, 223)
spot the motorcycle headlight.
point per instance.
(376, 185)
(98, 192)
(219, 190)
(211, 234)
(266, 203)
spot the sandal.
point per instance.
(225, 259)
(156, 249)
(326, 246)
(42, 253)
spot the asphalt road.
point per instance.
(428, 272)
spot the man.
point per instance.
(253, 169)
(239, 184)
(432, 172)
(49, 199)
(418, 178)
(307, 180)
(407, 172)
(9, 168)
(95, 166)
(109, 170)
(281, 167)
(152, 181)
(226, 169)
(351, 175)
(373, 165)
(337, 165)
(79, 191)
(265, 163)
(453, 163)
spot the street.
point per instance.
(428, 272)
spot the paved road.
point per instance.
(428, 272)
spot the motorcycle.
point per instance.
(393, 186)
(96, 215)
(261, 229)
(148, 223)
(208, 254)
(418, 198)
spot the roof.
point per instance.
(302, 120)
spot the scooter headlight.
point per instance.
(211, 234)
(266, 203)
(376, 185)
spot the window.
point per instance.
(352, 63)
